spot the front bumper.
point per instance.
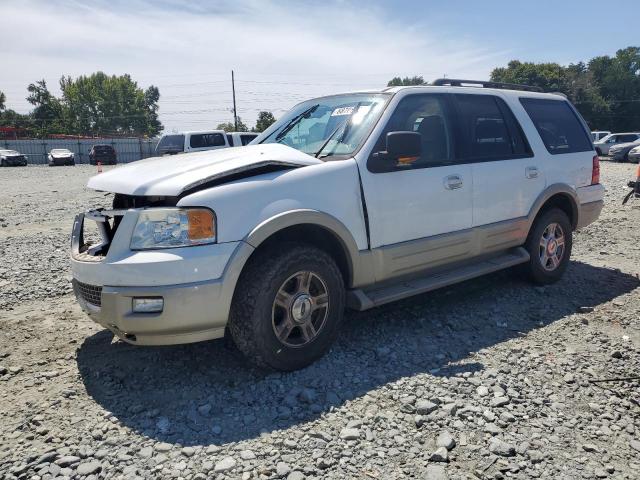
(62, 161)
(196, 283)
(15, 161)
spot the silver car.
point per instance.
(634, 155)
(603, 146)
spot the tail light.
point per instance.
(595, 170)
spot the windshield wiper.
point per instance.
(344, 125)
(293, 122)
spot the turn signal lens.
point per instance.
(201, 225)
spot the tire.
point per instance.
(256, 315)
(534, 269)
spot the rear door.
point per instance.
(507, 177)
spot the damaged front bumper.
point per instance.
(195, 283)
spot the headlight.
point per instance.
(173, 227)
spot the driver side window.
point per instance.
(428, 115)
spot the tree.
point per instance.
(605, 90)
(99, 104)
(399, 82)
(3, 99)
(230, 126)
(47, 114)
(265, 120)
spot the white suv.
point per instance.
(351, 200)
(184, 142)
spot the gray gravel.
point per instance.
(487, 379)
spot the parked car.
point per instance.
(184, 142)
(599, 135)
(105, 154)
(602, 146)
(620, 152)
(173, 143)
(351, 200)
(61, 156)
(240, 139)
(634, 154)
(12, 158)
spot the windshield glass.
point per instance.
(328, 126)
(171, 143)
(60, 150)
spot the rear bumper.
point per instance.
(591, 203)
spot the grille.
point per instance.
(90, 293)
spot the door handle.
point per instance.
(531, 172)
(453, 182)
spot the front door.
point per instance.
(419, 213)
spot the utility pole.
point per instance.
(235, 113)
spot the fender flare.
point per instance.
(292, 218)
(552, 190)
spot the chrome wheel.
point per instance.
(552, 247)
(300, 309)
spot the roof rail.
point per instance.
(455, 82)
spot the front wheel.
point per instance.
(549, 245)
(288, 307)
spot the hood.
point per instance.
(171, 176)
(622, 146)
(60, 154)
(10, 153)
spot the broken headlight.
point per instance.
(173, 227)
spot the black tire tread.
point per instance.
(532, 269)
(263, 269)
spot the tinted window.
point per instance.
(171, 144)
(558, 125)
(429, 116)
(230, 139)
(488, 128)
(246, 139)
(203, 140)
(627, 138)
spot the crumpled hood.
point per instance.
(61, 154)
(173, 175)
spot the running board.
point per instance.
(366, 299)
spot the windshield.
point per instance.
(60, 150)
(171, 144)
(9, 152)
(328, 126)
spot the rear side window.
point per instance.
(489, 129)
(246, 139)
(558, 125)
(171, 144)
(627, 138)
(203, 140)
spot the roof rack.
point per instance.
(455, 82)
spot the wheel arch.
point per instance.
(560, 196)
(316, 228)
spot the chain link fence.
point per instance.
(127, 149)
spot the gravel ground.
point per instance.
(492, 378)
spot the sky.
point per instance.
(286, 51)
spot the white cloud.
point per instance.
(282, 52)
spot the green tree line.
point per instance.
(97, 104)
(606, 90)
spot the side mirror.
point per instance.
(402, 151)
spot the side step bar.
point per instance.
(366, 299)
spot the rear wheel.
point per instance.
(288, 307)
(549, 245)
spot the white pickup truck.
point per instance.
(352, 200)
(184, 142)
